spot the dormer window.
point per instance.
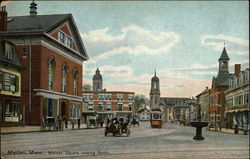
(61, 37)
(68, 42)
(8, 51)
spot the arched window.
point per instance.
(64, 78)
(51, 64)
(75, 75)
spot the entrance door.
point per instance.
(63, 109)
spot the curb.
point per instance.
(21, 132)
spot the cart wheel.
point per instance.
(128, 133)
(120, 132)
(113, 134)
(106, 133)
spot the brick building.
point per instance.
(107, 103)
(52, 52)
(237, 100)
(217, 96)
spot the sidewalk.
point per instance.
(29, 129)
(229, 131)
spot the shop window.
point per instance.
(12, 111)
(75, 110)
(50, 110)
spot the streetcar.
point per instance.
(156, 118)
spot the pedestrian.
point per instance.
(66, 122)
(78, 123)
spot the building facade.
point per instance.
(11, 109)
(110, 103)
(203, 101)
(52, 52)
(107, 104)
(144, 114)
(217, 97)
(237, 100)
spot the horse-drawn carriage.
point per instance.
(51, 123)
(135, 121)
(117, 128)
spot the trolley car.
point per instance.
(156, 118)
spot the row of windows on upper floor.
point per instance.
(235, 81)
(51, 75)
(238, 99)
(108, 107)
(107, 97)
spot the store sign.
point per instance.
(8, 82)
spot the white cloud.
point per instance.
(133, 40)
(234, 45)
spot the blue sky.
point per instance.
(181, 40)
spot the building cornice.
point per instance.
(57, 95)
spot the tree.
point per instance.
(86, 87)
(140, 101)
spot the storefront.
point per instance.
(10, 85)
(238, 117)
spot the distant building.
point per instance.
(97, 81)
(192, 110)
(107, 103)
(238, 100)
(217, 97)
(52, 52)
(11, 108)
(144, 114)
(176, 108)
(203, 101)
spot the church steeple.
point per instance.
(155, 92)
(97, 81)
(33, 9)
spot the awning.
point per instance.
(237, 110)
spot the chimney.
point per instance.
(237, 69)
(3, 19)
(33, 9)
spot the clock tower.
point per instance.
(223, 65)
(155, 92)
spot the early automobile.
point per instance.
(156, 118)
(117, 128)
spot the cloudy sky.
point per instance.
(181, 40)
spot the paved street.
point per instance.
(172, 141)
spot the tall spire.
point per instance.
(155, 72)
(224, 55)
(33, 9)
